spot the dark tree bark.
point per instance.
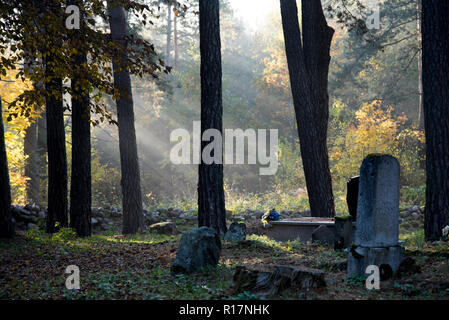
(57, 157)
(6, 227)
(56, 149)
(420, 89)
(308, 65)
(131, 192)
(30, 150)
(211, 201)
(80, 183)
(42, 150)
(435, 76)
(31, 164)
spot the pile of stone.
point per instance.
(104, 218)
(26, 217)
(167, 215)
(414, 212)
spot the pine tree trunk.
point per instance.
(308, 66)
(420, 89)
(6, 226)
(57, 157)
(175, 40)
(435, 69)
(168, 48)
(31, 152)
(80, 184)
(56, 148)
(211, 201)
(131, 192)
(42, 151)
(31, 164)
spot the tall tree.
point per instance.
(169, 31)
(175, 41)
(80, 183)
(435, 79)
(30, 150)
(308, 64)
(31, 164)
(42, 148)
(6, 227)
(211, 201)
(57, 157)
(130, 183)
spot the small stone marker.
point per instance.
(352, 195)
(198, 248)
(377, 228)
(343, 230)
(167, 228)
(236, 232)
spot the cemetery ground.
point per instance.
(113, 266)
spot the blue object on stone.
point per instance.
(273, 215)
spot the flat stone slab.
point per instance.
(307, 221)
(297, 229)
(272, 280)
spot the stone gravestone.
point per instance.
(377, 228)
(198, 248)
(236, 232)
(352, 195)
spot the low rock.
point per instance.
(198, 248)
(265, 281)
(20, 214)
(174, 213)
(306, 213)
(167, 228)
(236, 232)
(93, 221)
(258, 214)
(32, 226)
(151, 219)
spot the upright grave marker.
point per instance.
(377, 228)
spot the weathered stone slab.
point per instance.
(272, 280)
(167, 228)
(377, 230)
(378, 202)
(388, 260)
(236, 232)
(297, 229)
(352, 195)
(198, 248)
(343, 231)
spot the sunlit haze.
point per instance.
(254, 12)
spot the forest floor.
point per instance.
(138, 267)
